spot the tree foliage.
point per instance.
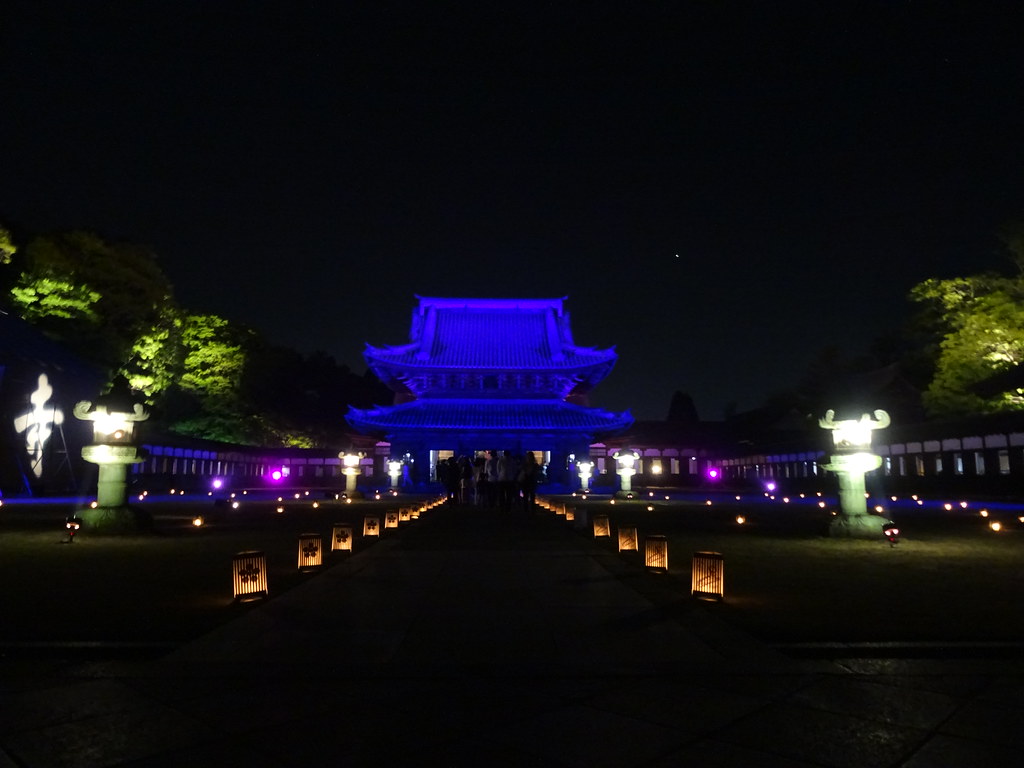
(203, 375)
(979, 324)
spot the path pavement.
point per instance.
(471, 639)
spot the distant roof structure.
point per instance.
(491, 336)
(486, 368)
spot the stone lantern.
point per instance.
(394, 472)
(350, 463)
(851, 460)
(114, 447)
(586, 468)
(626, 459)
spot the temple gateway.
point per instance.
(489, 374)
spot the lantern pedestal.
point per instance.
(853, 521)
(112, 513)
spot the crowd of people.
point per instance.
(495, 480)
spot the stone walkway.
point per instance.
(474, 639)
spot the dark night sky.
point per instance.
(306, 168)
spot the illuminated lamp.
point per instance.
(250, 575)
(740, 519)
(913, 496)
(93, 504)
(737, 498)
(983, 513)
(892, 498)
(650, 508)
(770, 487)
(947, 506)
(394, 472)
(651, 494)
(655, 468)
(404, 514)
(629, 495)
(920, 503)
(626, 459)
(714, 473)
(666, 497)
(279, 510)
(351, 471)
(656, 553)
(602, 528)
(560, 511)
(376, 497)
(391, 519)
(348, 501)
(414, 513)
(371, 525)
(570, 514)
(785, 499)
(217, 483)
(341, 538)
(879, 508)
(311, 551)
(611, 501)
(821, 504)
(71, 524)
(585, 469)
(963, 505)
(627, 538)
(297, 496)
(995, 526)
(198, 521)
(707, 502)
(234, 505)
(1020, 519)
(316, 505)
(276, 475)
(708, 578)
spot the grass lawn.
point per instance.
(949, 579)
(164, 587)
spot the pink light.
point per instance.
(218, 483)
(713, 473)
(275, 475)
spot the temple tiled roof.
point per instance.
(473, 415)
(491, 335)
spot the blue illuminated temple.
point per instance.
(489, 374)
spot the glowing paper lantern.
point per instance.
(404, 515)
(341, 538)
(570, 514)
(627, 538)
(601, 526)
(708, 581)
(391, 519)
(250, 575)
(656, 553)
(371, 525)
(311, 551)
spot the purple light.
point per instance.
(218, 483)
(275, 475)
(770, 486)
(713, 473)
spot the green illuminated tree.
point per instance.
(96, 297)
(980, 323)
(7, 247)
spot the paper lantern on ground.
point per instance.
(371, 525)
(391, 519)
(311, 551)
(656, 553)
(404, 515)
(570, 514)
(627, 538)
(341, 538)
(250, 575)
(601, 526)
(708, 576)
(560, 510)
